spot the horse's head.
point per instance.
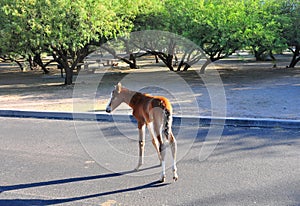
(116, 98)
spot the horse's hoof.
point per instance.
(138, 167)
(175, 179)
(163, 179)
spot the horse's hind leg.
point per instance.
(173, 144)
(162, 149)
(155, 144)
(141, 145)
(155, 140)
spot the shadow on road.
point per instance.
(72, 199)
(6, 202)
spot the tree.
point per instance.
(222, 27)
(145, 18)
(171, 17)
(291, 9)
(74, 26)
(216, 28)
(66, 29)
(263, 25)
(213, 25)
(10, 33)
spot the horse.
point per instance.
(153, 112)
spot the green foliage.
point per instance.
(67, 29)
(220, 27)
(60, 23)
(151, 17)
(212, 24)
(263, 26)
(291, 10)
(63, 28)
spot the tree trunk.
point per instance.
(186, 67)
(69, 76)
(166, 58)
(180, 65)
(273, 59)
(295, 60)
(169, 62)
(37, 59)
(19, 64)
(202, 70)
(176, 61)
(32, 64)
(133, 59)
(132, 65)
(258, 54)
(293, 63)
(156, 59)
(13, 60)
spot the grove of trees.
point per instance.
(69, 30)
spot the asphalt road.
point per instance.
(57, 162)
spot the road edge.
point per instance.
(203, 120)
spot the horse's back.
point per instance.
(165, 103)
(149, 108)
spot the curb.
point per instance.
(202, 120)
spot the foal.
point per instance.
(155, 112)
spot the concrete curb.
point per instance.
(202, 120)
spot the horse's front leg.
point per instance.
(141, 127)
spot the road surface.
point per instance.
(57, 162)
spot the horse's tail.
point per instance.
(167, 124)
(164, 104)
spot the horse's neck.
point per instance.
(128, 95)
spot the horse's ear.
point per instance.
(119, 87)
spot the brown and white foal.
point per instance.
(155, 112)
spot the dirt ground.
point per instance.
(252, 89)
